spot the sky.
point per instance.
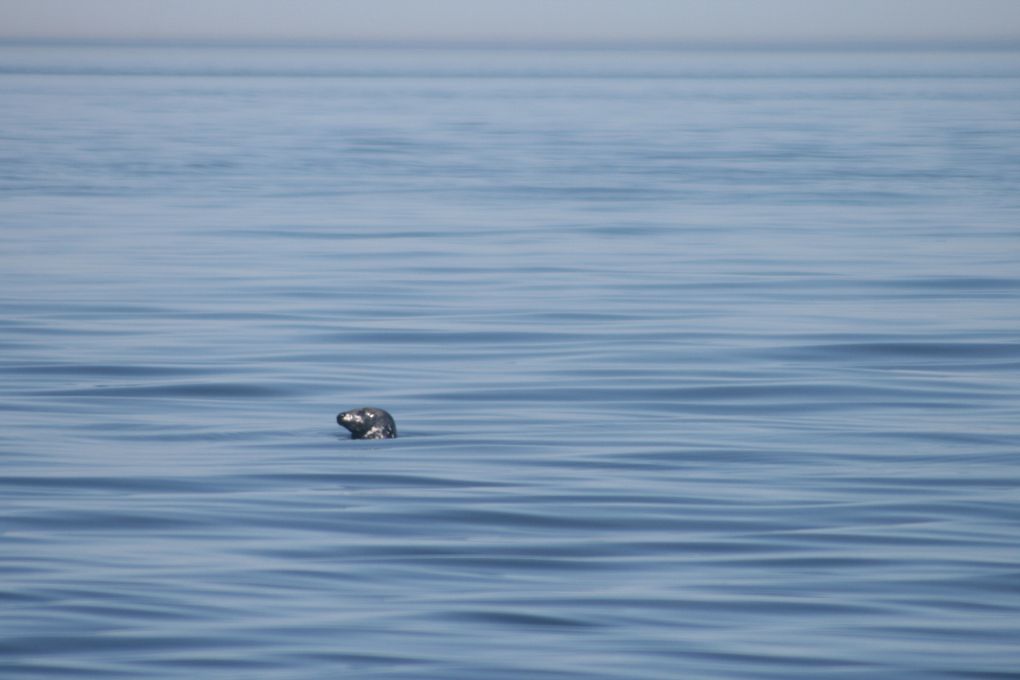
(742, 21)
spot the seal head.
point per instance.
(368, 423)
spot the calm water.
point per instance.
(706, 365)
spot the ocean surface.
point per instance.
(706, 364)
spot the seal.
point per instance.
(368, 423)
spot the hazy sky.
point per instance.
(701, 20)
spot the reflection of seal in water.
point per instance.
(368, 423)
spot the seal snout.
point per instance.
(368, 423)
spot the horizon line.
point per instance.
(396, 42)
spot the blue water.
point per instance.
(706, 364)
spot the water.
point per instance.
(705, 364)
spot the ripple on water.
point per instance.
(696, 376)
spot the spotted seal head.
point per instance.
(368, 423)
